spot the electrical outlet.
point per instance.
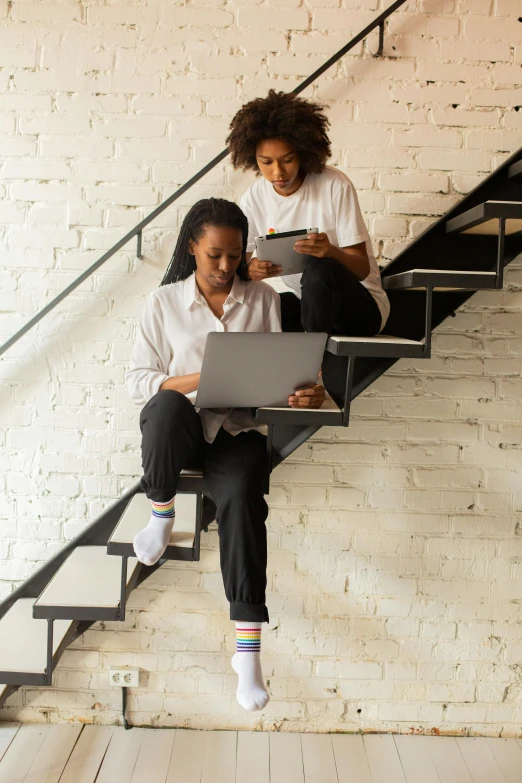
(126, 677)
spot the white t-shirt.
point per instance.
(327, 200)
(172, 334)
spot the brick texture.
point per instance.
(395, 545)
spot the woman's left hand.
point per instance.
(307, 398)
(317, 245)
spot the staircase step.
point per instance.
(483, 219)
(384, 345)
(23, 644)
(86, 587)
(137, 514)
(191, 481)
(328, 415)
(440, 280)
(515, 170)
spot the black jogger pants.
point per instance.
(332, 300)
(235, 473)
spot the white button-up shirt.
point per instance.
(172, 334)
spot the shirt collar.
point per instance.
(192, 293)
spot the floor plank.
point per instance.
(22, 752)
(253, 757)
(480, 760)
(87, 756)
(120, 760)
(220, 757)
(318, 758)
(416, 760)
(508, 756)
(383, 759)
(350, 758)
(8, 732)
(54, 753)
(286, 758)
(154, 755)
(448, 760)
(188, 754)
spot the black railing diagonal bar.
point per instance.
(137, 230)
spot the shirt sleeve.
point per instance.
(350, 226)
(244, 204)
(273, 319)
(150, 356)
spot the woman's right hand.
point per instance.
(260, 270)
(182, 383)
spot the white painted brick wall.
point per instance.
(395, 574)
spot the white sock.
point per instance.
(251, 692)
(151, 542)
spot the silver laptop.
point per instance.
(257, 370)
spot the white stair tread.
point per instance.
(23, 640)
(380, 338)
(327, 407)
(137, 515)
(89, 577)
(449, 272)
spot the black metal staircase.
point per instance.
(463, 252)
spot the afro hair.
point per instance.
(280, 115)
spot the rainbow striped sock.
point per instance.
(163, 510)
(248, 637)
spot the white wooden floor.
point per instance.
(76, 754)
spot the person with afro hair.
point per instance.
(284, 139)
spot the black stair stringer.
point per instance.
(433, 249)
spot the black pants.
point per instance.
(332, 300)
(235, 473)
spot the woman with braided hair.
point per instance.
(206, 289)
(284, 139)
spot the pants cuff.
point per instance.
(254, 613)
(162, 495)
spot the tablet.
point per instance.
(279, 249)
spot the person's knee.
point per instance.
(321, 277)
(166, 407)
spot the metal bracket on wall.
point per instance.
(139, 237)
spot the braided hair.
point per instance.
(207, 212)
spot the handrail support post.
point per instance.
(269, 455)
(381, 40)
(50, 645)
(500, 252)
(139, 253)
(427, 322)
(348, 391)
(123, 588)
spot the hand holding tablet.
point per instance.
(279, 250)
(317, 245)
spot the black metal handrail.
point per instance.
(138, 230)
